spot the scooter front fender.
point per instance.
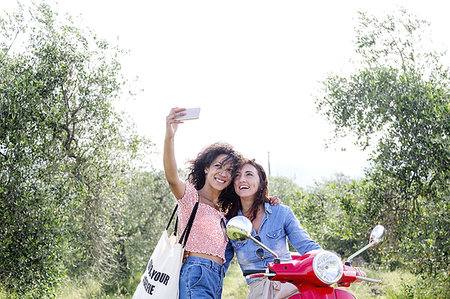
(343, 294)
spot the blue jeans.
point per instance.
(201, 278)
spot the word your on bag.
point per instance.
(156, 276)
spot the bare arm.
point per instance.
(176, 185)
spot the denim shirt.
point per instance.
(278, 223)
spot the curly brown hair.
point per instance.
(204, 159)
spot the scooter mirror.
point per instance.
(239, 228)
(377, 235)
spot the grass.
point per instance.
(79, 290)
(391, 288)
(234, 284)
(91, 288)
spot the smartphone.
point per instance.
(191, 113)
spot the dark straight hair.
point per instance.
(261, 196)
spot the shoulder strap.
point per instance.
(187, 230)
(176, 221)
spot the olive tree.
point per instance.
(64, 152)
(396, 102)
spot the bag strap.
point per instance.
(187, 230)
(176, 222)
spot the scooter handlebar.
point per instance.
(351, 275)
(369, 279)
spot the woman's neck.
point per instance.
(247, 204)
(247, 212)
(209, 196)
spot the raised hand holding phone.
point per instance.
(188, 114)
(177, 116)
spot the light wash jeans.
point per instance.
(201, 278)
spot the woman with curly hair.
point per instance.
(209, 182)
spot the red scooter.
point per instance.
(312, 273)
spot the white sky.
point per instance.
(252, 66)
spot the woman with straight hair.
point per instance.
(272, 225)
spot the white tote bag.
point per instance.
(161, 276)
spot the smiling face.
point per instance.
(218, 174)
(246, 182)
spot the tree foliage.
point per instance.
(148, 209)
(397, 102)
(63, 152)
(329, 211)
(284, 188)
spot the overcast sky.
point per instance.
(252, 66)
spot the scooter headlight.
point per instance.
(328, 267)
